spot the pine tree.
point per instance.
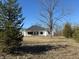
(76, 34)
(67, 31)
(1, 27)
(12, 21)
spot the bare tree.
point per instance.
(48, 14)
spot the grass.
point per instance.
(36, 39)
(69, 52)
(47, 40)
(48, 48)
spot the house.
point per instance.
(36, 31)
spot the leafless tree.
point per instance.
(48, 14)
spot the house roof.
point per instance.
(35, 28)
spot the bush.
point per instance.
(76, 34)
(67, 31)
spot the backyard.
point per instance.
(36, 47)
(57, 48)
(39, 29)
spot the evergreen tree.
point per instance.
(1, 26)
(67, 31)
(76, 34)
(12, 24)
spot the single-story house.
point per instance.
(36, 31)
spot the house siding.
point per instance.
(45, 33)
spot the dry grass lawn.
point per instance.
(36, 39)
(47, 48)
(48, 40)
(69, 52)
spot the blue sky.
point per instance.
(31, 10)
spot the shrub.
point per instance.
(67, 31)
(76, 34)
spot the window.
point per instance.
(30, 33)
(41, 32)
